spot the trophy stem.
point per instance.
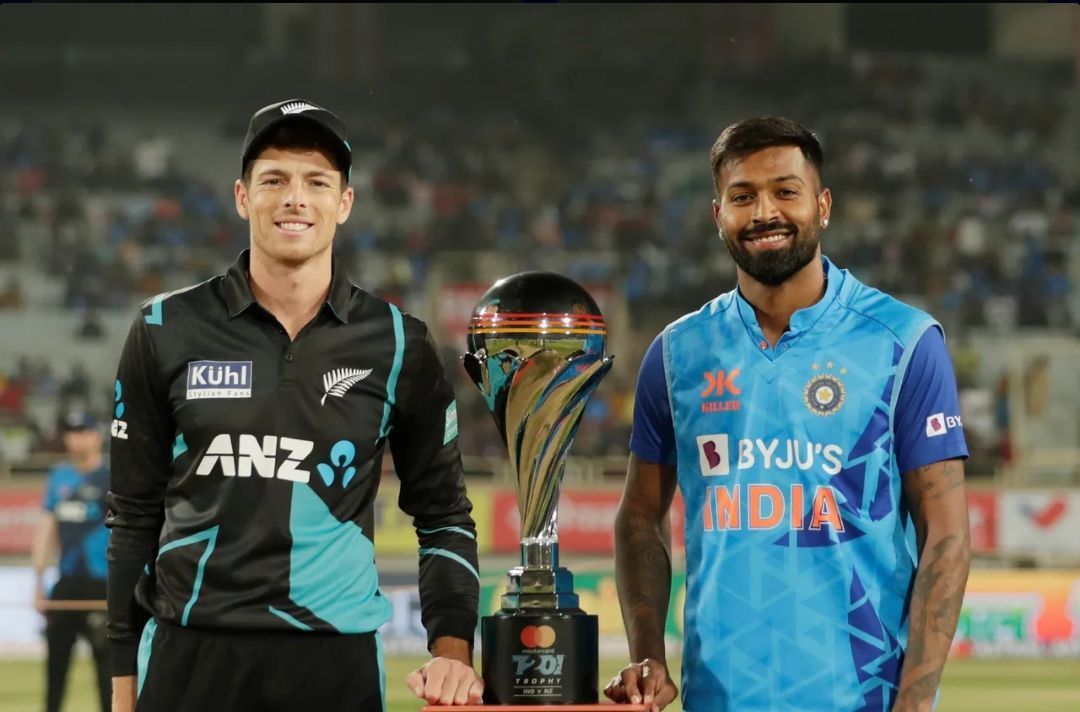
(542, 551)
(540, 554)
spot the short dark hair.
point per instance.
(752, 135)
(297, 134)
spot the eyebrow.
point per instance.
(778, 179)
(279, 172)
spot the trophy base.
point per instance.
(540, 658)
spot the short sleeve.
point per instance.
(927, 423)
(653, 436)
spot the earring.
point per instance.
(825, 222)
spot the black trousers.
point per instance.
(62, 629)
(188, 670)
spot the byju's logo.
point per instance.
(341, 457)
(119, 427)
(219, 379)
(717, 458)
(713, 454)
(939, 424)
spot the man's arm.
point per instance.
(42, 553)
(643, 556)
(423, 443)
(936, 497)
(140, 469)
(643, 579)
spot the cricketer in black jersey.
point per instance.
(245, 467)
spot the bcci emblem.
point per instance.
(824, 394)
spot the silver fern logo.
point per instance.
(340, 380)
(296, 107)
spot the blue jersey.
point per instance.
(77, 500)
(800, 553)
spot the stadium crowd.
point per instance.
(949, 189)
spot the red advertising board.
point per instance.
(586, 521)
(983, 518)
(19, 511)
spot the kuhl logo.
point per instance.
(219, 379)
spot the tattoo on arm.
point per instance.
(643, 563)
(938, 590)
(940, 478)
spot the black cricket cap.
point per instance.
(269, 117)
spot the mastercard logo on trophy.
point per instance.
(537, 636)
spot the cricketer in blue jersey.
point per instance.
(71, 531)
(812, 426)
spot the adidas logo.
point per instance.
(297, 106)
(340, 380)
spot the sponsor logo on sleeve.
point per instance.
(939, 424)
(450, 430)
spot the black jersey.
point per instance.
(245, 467)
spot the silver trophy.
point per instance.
(536, 352)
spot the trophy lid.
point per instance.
(537, 292)
(534, 307)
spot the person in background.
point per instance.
(73, 525)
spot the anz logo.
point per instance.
(341, 457)
(119, 427)
(275, 457)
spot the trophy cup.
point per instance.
(536, 351)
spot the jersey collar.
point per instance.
(238, 296)
(803, 319)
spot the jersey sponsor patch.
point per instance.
(450, 428)
(939, 424)
(713, 454)
(219, 379)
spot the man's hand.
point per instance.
(645, 683)
(39, 603)
(123, 694)
(444, 681)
